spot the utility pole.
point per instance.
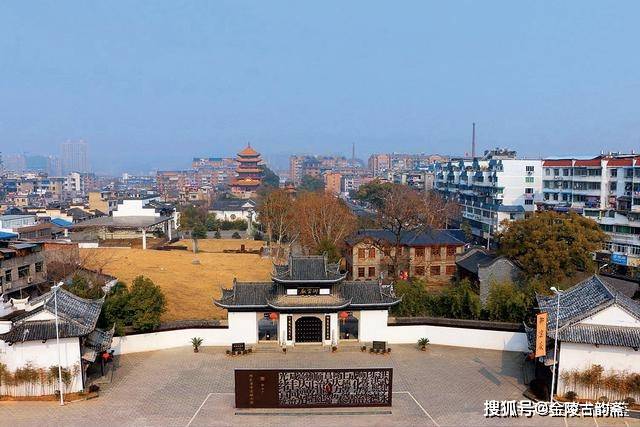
(473, 141)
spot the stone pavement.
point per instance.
(443, 386)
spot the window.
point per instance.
(547, 171)
(528, 202)
(434, 270)
(451, 250)
(372, 252)
(7, 276)
(361, 253)
(372, 272)
(530, 168)
(613, 172)
(435, 252)
(528, 190)
(565, 172)
(556, 172)
(419, 270)
(528, 179)
(360, 271)
(450, 270)
(23, 271)
(39, 266)
(419, 252)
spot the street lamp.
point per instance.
(55, 289)
(555, 344)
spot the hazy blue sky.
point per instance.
(152, 84)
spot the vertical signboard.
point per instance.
(541, 334)
(289, 328)
(327, 328)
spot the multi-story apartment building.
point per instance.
(316, 166)
(74, 156)
(381, 165)
(605, 188)
(419, 180)
(430, 254)
(492, 189)
(22, 265)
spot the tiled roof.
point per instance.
(368, 293)
(601, 335)
(425, 238)
(121, 222)
(345, 294)
(627, 287)
(582, 301)
(307, 269)
(77, 317)
(292, 302)
(474, 258)
(99, 340)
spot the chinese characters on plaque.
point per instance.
(313, 388)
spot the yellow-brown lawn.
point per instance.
(189, 287)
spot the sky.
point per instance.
(151, 84)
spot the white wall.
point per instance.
(578, 357)
(170, 339)
(459, 337)
(43, 355)
(135, 207)
(372, 326)
(613, 316)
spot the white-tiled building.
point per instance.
(605, 188)
(491, 190)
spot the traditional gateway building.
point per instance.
(308, 301)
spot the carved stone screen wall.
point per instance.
(313, 388)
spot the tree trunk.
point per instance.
(195, 246)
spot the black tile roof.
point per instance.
(425, 238)
(582, 301)
(307, 269)
(77, 317)
(627, 287)
(258, 295)
(601, 335)
(474, 258)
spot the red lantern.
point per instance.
(343, 314)
(273, 316)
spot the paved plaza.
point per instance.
(443, 386)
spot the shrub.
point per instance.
(235, 235)
(603, 399)
(146, 304)
(217, 235)
(507, 303)
(423, 342)
(196, 342)
(629, 400)
(570, 396)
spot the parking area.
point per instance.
(443, 386)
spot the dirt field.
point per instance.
(189, 287)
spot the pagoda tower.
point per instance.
(248, 173)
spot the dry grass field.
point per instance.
(189, 287)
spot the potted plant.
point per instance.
(196, 342)
(363, 348)
(423, 343)
(334, 348)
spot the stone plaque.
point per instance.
(237, 347)
(289, 328)
(313, 388)
(379, 346)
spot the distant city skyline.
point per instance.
(204, 78)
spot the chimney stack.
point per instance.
(473, 141)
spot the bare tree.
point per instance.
(323, 222)
(406, 213)
(275, 213)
